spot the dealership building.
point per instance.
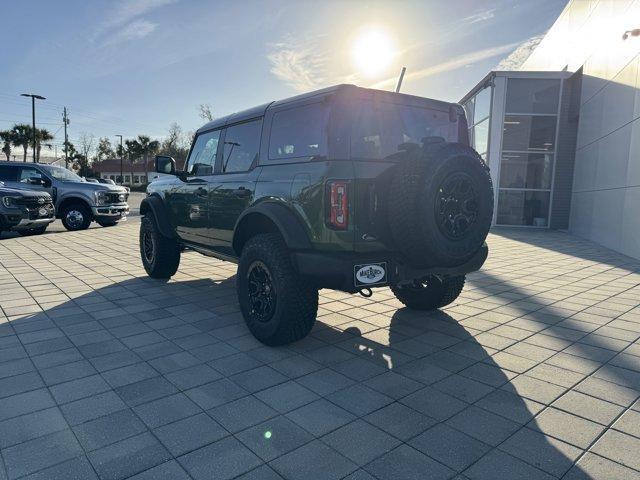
(562, 133)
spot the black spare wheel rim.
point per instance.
(148, 246)
(261, 291)
(456, 206)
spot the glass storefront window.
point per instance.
(526, 133)
(482, 106)
(468, 110)
(532, 95)
(481, 136)
(522, 170)
(523, 208)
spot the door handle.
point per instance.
(242, 192)
(201, 192)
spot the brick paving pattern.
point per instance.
(534, 373)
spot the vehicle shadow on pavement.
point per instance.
(482, 427)
(117, 381)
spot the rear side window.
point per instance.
(8, 173)
(203, 154)
(379, 129)
(241, 146)
(299, 132)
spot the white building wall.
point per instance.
(606, 190)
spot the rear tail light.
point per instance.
(338, 205)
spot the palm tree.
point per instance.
(42, 136)
(6, 136)
(132, 151)
(22, 136)
(147, 147)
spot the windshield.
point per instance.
(61, 173)
(380, 128)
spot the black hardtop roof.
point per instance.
(346, 89)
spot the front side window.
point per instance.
(61, 173)
(28, 172)
(203, 155)
(241, 146)
(380, 129)
(299, 132)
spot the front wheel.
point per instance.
(278, 305)
(76, 217)
(33, 231)
(430, 293)
(160, 255)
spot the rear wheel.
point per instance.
(33, 231)
(430, 293)
(76, 217)
(278, 305)
(160, 255)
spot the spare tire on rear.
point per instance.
(440, 204)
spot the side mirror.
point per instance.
(165, 164)
(36, 181)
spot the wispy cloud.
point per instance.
(516, 59)
(300, 64)
(134, 30)
(450, 65)
(481, 16)
(124, 22)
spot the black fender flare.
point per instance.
(285, 220)
(154, 205)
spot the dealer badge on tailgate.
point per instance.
(370, 274)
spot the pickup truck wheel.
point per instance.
(33, 231)
(429, 294)
(76, 217)
(278, 305)
(160, 255)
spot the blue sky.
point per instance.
(135, 66)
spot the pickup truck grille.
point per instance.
(31, 202)
(114, 197)
(34, 212)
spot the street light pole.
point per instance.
(121, 170)
(33, 118)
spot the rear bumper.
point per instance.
(337, 270)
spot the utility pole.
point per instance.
(33, 118)
(121, 171)
(65, 120)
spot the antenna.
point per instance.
(404, 69)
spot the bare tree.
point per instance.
(86, 143)
(205, 112)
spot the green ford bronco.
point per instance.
(344, 188)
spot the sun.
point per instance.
(373, 51)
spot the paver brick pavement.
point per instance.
(534, 372)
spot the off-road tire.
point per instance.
(296, 300)
(107, 223)
(436, 293)
(84, 211)
(164, 260)
(413, 195)
(33, 231)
